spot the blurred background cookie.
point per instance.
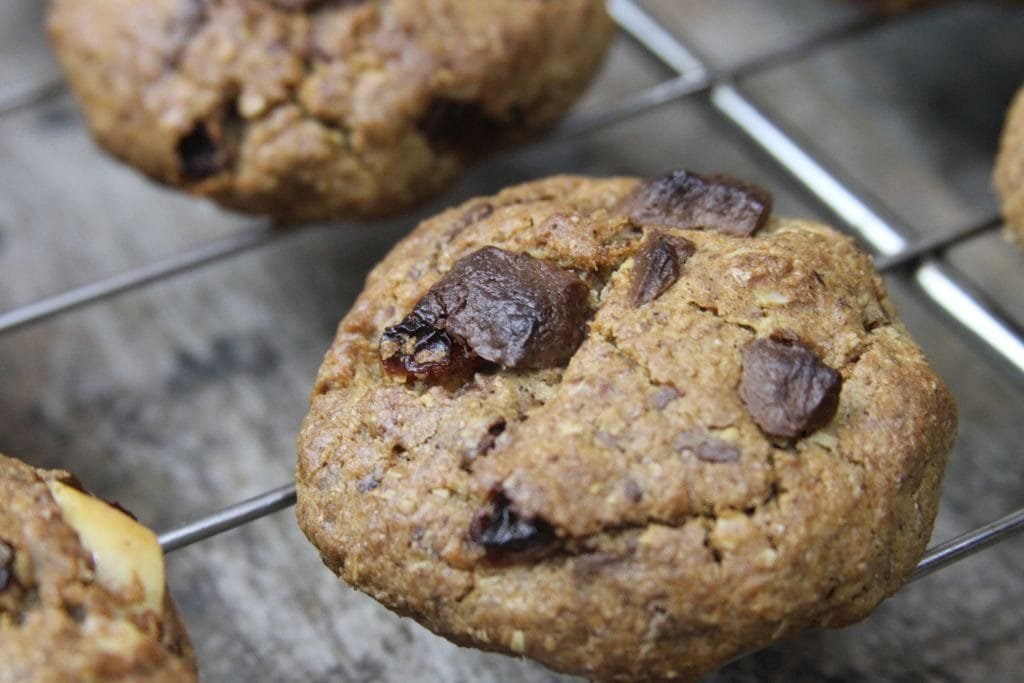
(310, 110)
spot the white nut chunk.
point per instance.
(127, 555)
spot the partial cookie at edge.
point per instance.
(1009, 171)
(82, 592)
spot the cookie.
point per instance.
(310, 110)
(82, 592)
(630, 429)
(1009, 171)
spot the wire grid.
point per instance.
(729, 101)
(726, 98)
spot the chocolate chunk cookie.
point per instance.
(724, 434)
(82, 592)
(308, 110)
(1009, 172)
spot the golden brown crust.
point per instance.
(1009, 171)
(57, 622)
(341, 108)
(685, 535)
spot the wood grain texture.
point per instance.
(185, 396)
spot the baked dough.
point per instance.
(742, 440)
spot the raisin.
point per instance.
(657, 266)
(787, 389)
(6, 562)
(200, 154)
(504, 534)
(681, 199)
(415, 348)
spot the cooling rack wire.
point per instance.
(691, 77)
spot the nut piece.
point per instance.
(510, 309)
(127, 555)
(657, 266)
(681, 199)
(787, 389)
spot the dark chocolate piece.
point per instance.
(681, 199)
(6, 561)
(787, 389)
(415, 348)
(506, 535)
(657, 266)
(510, 309)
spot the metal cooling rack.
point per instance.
(724, 95)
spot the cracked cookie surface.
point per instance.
(82, 593)
(745, 443)
(311, 110)
(1009, 172)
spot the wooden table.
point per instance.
(185, 395)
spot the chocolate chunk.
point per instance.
(200, 155)
(461, 127)
(681, 199)
(787, 389)
(657, 266)
(6, 562)
(506, 535)
(415, 348)
(510, 309)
